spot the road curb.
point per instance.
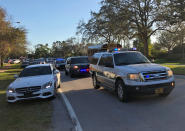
(71, 112)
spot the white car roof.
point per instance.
(38, 65)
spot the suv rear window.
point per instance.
(79, 60)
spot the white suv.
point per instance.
(130, 72)
(35, 81)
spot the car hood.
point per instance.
(31, 81)
(137, 68)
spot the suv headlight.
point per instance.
(11, 90)
(134, 77)
(47, 85)
(170, 73)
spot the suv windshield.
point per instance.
(79, 60)
(34, 71)
(130, 58)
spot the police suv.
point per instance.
(130, 72)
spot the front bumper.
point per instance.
(42, 94)
(163, 88)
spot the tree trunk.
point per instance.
(146, 47)
(1, 60)
(182, 47)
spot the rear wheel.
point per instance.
(66, 73)
(95, 83)
(71, 74)
(121, 91)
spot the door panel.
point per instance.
(109, 76)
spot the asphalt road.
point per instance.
(100, 110)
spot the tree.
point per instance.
(119, 19)
(104, 26)
(176, 11)
(11, 39)
(167, 41)
(42, 51)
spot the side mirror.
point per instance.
(16, 76)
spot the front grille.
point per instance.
(28, 89)
(27, 96)
(154, 75)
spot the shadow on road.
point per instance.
(67, 78)
(106, 94)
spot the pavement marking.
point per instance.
(71, 112)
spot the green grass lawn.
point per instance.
(177, 69)
(34, 115)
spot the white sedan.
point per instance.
(35, 81)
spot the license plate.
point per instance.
(159, 91)
(28, 94)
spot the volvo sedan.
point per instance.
(35, 81)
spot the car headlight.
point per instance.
(134, 77)
(170, 73)
(47, 85)
(11, 90)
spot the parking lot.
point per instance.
(100, 109)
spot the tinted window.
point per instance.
(79, 60)
(34, 71)
(130, 58)
(94, 59)
(106, 60)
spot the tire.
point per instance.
(58, 86)
(55, 93)
(71, 74)
(121, 91)
(164, 94)
(66, 73)
(95, 83)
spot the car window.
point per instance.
(34, 71)
(106, 60)
(94, 59)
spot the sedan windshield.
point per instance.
(34, 71)
(130, 58)
(79, 60)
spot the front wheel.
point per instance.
(95, 83)
(121, 91)
(66, 73)
(164, 94)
